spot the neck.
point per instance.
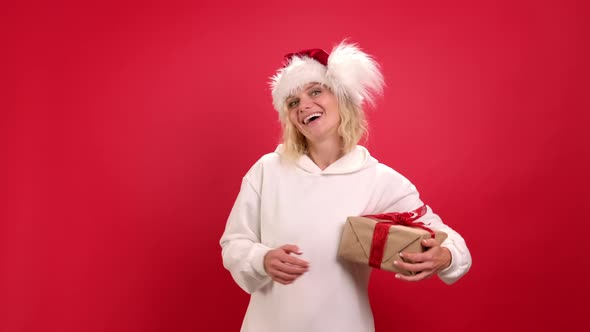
(326, 152)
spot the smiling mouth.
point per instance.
(312, 117)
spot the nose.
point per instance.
(304, 104)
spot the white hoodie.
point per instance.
(281, 203)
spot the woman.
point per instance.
(281, 239)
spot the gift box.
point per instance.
(377, 240)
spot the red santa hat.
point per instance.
(347, 71)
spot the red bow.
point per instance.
(317, 54)
(382, 230)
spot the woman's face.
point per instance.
(314, 112)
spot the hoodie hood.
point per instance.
(356, 160)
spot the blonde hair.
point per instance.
(352, 127)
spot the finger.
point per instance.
(283, 281)
(414, 257)
(277, 274)
(292, 269)
(429, 243)
(294, 261)
(414, 267)
(291, 248)
(417, 277)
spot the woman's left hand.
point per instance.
(426, 264)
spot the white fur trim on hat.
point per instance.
(350, 73)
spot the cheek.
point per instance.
(293, 118)
(333, 109)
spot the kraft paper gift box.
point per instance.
(400, 233)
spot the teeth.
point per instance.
(311, 116)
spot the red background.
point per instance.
(125, 130)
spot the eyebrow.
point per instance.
(314, 85)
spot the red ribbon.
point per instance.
(382, 230)
(317, 54)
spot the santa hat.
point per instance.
(347, 71)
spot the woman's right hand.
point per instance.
(282, 267)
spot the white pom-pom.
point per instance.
(354, 74)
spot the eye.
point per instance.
(293, 103)
(315, 92)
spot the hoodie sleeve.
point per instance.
(404, 197)
(242, 251)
